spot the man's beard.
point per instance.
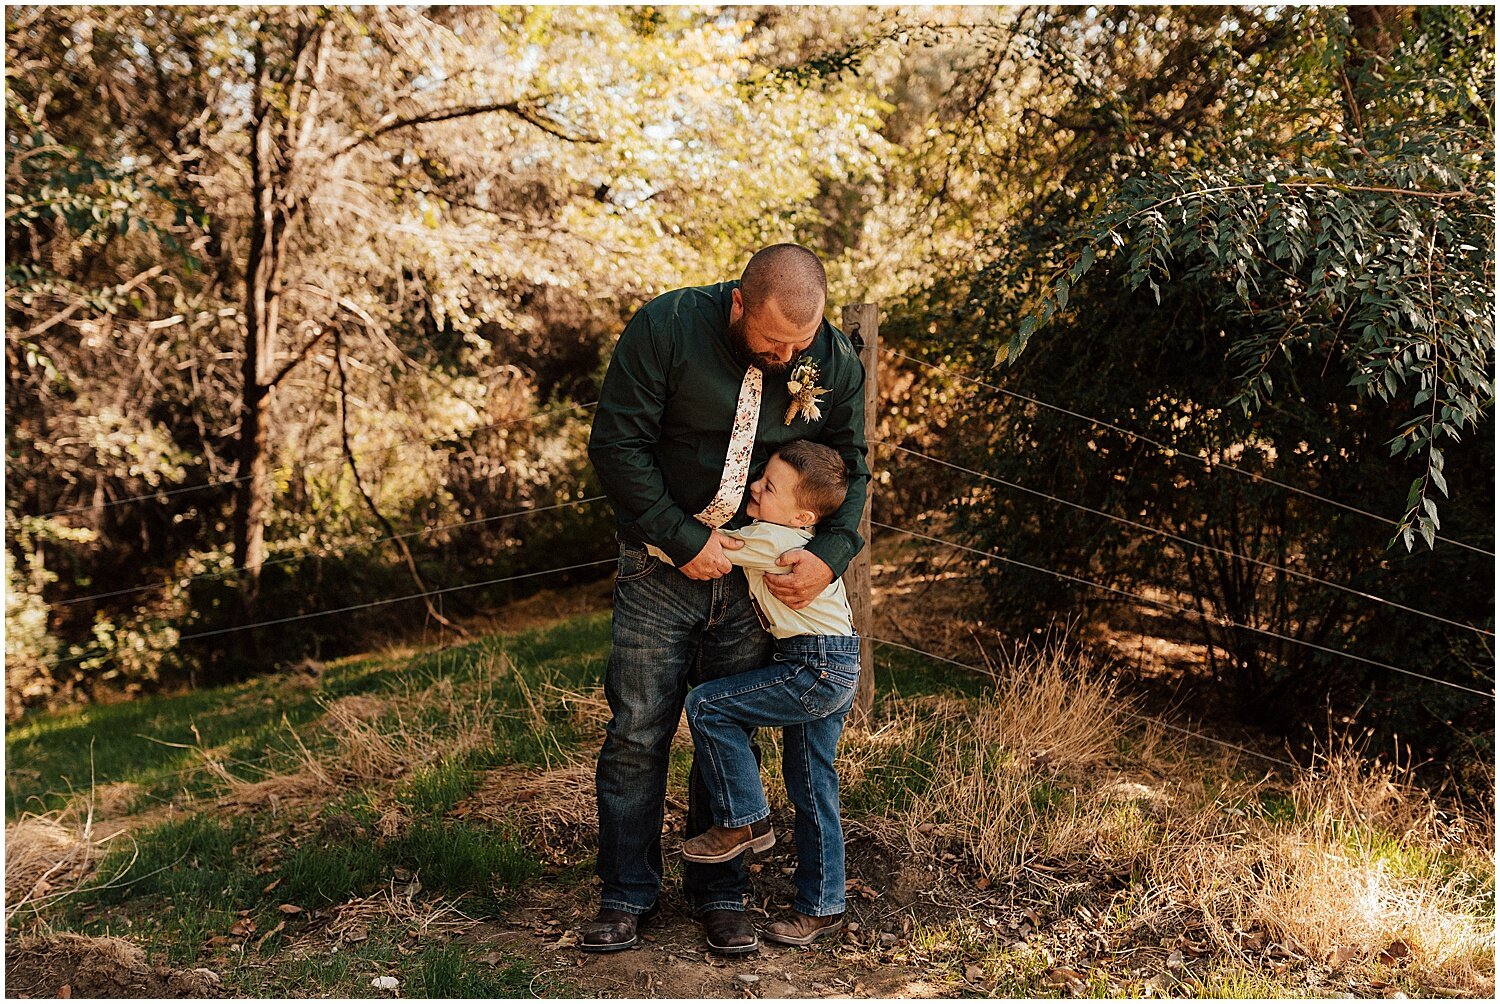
(766, 362)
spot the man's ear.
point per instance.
(736, 304)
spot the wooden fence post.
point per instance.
(861, 322)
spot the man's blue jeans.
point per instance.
(669, 632)
(808, 690)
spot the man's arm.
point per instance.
(627, 425)
(838, 539)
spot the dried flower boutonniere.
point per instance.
(803, 384)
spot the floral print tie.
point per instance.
(737, 462)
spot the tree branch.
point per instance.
(520, 109)
(359, 483)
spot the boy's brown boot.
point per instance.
(720, 843)
(800, 929)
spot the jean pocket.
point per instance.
(827, 690)
(635, 562)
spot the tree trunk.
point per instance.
(260, 347)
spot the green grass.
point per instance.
(147, 741)
(448, 972)
(196, 859)
(459, 857)
(316, 875)
(435, 790)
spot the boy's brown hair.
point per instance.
(822, 478)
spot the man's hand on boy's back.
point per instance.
(809, 576)
(710, 562)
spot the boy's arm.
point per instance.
(760, 551)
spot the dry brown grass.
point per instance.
(1351, 867)
(44, 855)
(374, 739)
(1002, 763)
(1362, 871)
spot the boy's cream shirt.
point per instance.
(827, 614)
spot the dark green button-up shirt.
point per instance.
(661, 430)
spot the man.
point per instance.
(698, 394)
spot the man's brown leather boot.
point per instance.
(721, 843)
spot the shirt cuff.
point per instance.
(836, 551)
(685, 546)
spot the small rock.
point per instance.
(888, 939)
(973, 972)
(852, 927)
(748, 978)
(1174, 960)
(385, 983)
(209, 976)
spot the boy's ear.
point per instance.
(806, 518)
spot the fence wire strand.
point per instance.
(1185, 540)
(339, 457)
(1220, 621)
(1133, 714)
(1172, 451)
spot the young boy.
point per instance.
(807, 691)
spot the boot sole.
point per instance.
(584, 946)
(764, 842)
(733, 949)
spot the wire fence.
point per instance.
(1177, 608)
(983, 671)
(163, 494)
(297, 553)
(1200, 616)
(1170, 451)
(1178, 538)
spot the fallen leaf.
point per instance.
(244, 927)
(489, 958)
(1395, 952)
(357, 932)
(65, 991)
(1339, 957)
(289, 908)
(272, 886)
(973, 972)
(568, 940)
(983, 883)
(1031, 916)
(1062, 976)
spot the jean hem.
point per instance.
(750, 820)
(619, 904)
(807, 911)
(738, 906)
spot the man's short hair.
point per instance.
(791, 275)
(822, 478)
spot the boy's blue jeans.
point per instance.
(807, 690)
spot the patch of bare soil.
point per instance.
(556, 809)
(71, 965)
